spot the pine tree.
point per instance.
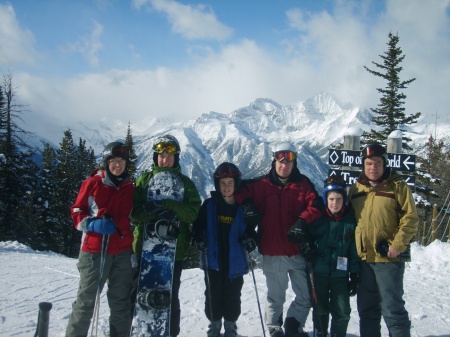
(68, 184)
(133, 157)
(390, 114)
(46, 225)
(433, 181)
(17, 172)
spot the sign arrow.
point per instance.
(406, 162)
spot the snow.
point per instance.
(29, 277)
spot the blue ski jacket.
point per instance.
(238, 264)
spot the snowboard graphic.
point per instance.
(152, 310)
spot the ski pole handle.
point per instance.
(111, 218)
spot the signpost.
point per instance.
(350, 177)
(398, 161)
(352, 159)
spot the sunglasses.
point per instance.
(373, 150)
(165, 147)
(226, 172)
(285, 155)
(118, 151)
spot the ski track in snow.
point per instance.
(28, 278)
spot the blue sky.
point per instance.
(130, 60)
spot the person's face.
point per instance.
(284, 168)
(117, 165)
(226, 187)
(166, 160)
(335, 202)
(374, 168)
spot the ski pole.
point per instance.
(256, 291)
(313, 296)
(43, 319)
(99, 287)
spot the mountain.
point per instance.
(246, 136)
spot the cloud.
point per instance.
(88, 46)
(193, 22)
(17, 43)
(323, 51)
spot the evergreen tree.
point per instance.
(390, 114)
(68, 184)
(17, 171)
(46, 225)
(133, 157)
(433, 181)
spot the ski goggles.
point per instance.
(226, 172)
(285, 155)
(121, 151)
(373, 150)
(335, 180)
(165, 147)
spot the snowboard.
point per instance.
(152, 309)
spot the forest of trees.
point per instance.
(35, 199)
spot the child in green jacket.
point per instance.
(336, 263)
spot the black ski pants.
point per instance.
(225, 300)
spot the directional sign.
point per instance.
(351, 177)
(398, 161)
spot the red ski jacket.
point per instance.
(99, 196)
(280, 206)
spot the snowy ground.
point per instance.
(28, 277)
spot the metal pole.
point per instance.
(256, 291)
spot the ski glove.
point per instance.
(252, 217)
(151, 206)
(297, 233)
(248, 242)
(306, 250)
(353, 284)
(101, 226)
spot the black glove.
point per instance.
(252, 217)
(306, 250)
(200, 245)
(297, 233)
(151, 207)
(248, 242)
(353, 284)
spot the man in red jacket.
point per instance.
(288, 202)
(102, 212)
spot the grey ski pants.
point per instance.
(278, 271)
(119, 275)
(380, 294)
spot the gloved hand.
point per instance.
(252, 217)
(248, 242)
(151, 206)
(353, 284)
(306, 250)
(298, 233)
(101, 226)
(200, 245)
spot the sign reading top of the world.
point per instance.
(351, 158)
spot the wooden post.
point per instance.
(433, 223)
(424, 232)
(394, 142)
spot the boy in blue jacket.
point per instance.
(336, 263)
(221, 234)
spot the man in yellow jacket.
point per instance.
(387, 221)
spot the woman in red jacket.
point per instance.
(102, 212)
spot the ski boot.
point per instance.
(230, 328)
(214, 329)
(276, 332)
